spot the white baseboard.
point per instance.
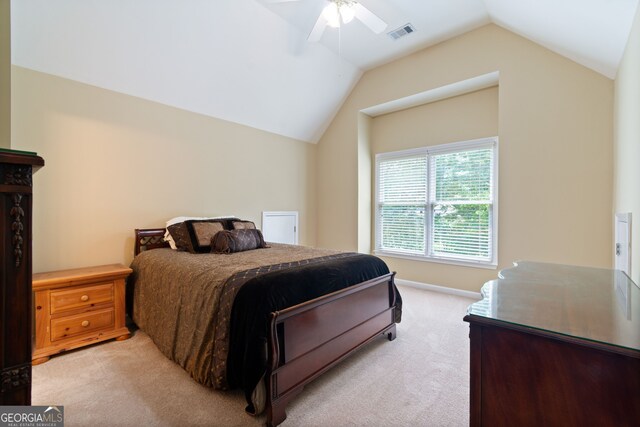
(441, 289)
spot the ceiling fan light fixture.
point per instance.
(331, 14)
(339, 11)
(347, 12)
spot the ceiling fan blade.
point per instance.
(369, 19)
(316, 34)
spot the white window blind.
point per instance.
(438, 202)
(403, 203)
(461, 190)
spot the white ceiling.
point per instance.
(248, 61)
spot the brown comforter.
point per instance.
(177, 298)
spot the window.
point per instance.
(439, 203)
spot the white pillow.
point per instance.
(167, 235)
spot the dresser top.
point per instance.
(79, 275)
(20, 157)
(592, 304)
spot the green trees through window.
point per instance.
(438, 201)
(461, 206)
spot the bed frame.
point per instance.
(308, 339)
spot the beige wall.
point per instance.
(116, 162)
(5, 74)
(366, 163)
(461, 118)
(555, 158)
(627, 140)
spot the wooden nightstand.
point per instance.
(78, 307)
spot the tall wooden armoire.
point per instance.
(16, 170)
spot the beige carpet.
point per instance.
(420, 379)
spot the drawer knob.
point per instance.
(85, 323)
(84, 298)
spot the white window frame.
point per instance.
(428, 255)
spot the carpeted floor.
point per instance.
(420, 379)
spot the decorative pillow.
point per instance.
(180, 237)
(200, 233)
(230, 241)
(169, 238)
(203, 231)
(228, 223)
(243, 225)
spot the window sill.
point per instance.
(463, 263)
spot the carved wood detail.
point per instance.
(14, 378)
(151, 241)
(149, 238)
(17, 227)
(16, 317)
(18, 175)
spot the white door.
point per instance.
(623, 243)
(280, 227)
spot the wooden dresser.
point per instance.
(556, 345)
(78, 307)
(16, 170)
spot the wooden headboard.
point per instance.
(149, 238)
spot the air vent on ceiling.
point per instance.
(406, 29)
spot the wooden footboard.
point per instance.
(309, 338)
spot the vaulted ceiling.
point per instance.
(249, 61)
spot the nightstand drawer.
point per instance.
(70, 326)
(78, 307)
(87, 296)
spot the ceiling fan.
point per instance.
(338, 12)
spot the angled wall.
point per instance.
(556, 156)
(116, 162)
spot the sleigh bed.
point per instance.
(271, 321)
